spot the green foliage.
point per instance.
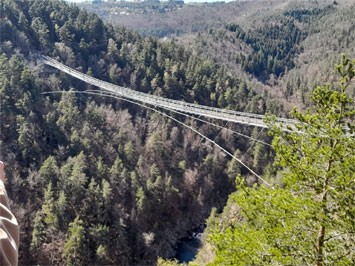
(162, 262)
(130, 154)
(154, 172)
(48, 207)
(69, 113)
(78, 178)
(61, 205)
(309, 219)
(74, 251)
(107, 162)
(234, 167)
(49, 171)
(274, 46)
(305, 14)
(102, 254)
(107, 193)
(38, 234)
(41, 30)
(140, 198)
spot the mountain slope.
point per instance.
(171, 19)
(95, 180)
(276, 46)
(284, 50)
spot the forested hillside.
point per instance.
(98, 181)
(283, 50)
(307, 216)
(95, 180)
(172, 18)
(280, 47)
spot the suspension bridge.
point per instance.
(165, 103)
(176, 106)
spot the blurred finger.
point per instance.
(2, 172)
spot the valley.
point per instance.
(98, 178)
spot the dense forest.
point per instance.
(99, 181)
(96, 180)
(282, 47)
(307, 217)
(168, 18)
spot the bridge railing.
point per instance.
(218, 113)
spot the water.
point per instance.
(187, 250)
(188, 247)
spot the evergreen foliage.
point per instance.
(309, 219)
(254, 45)
(137, 181)
(276, 44)
(74, 251)
(99, 181)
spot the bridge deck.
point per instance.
(195, 109)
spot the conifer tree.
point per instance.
(309, 219)
(48, 207)
(49, 171)
(38, 233)
(74, 251)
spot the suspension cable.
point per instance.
(170, 117)
(199, 119)
(218, 126)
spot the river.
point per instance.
(188, 247)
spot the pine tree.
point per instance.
(309, 219)
(78, 178)
(69, 113)
(234, 166)
(49, 171)
(38, 233)
(112, 51)
(74, 251)
(61, 206)
(48, 207)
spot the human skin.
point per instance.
(2, 171)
